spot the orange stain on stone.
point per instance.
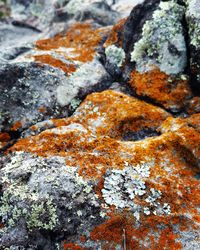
(50, 60)
(73, 246)
(82, 38)
(161, 88)
(115, 35)
(16, 126)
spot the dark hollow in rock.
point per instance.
(139, 135)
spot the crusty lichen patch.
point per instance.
(162, 43)
(192, 14)
(81, 38)
(48, 59)
(115, 55)
(169, 91)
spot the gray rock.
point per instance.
(47, 195)
(30, 87)
(15, 41)
(25, 88)
(193, 19)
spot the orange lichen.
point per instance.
(16, 126)
(115, 36)
(194, 105)
(72, 246)
(120, 113)
(120, 229)
(161, 88)
(97, 145)
(50, 60)
(82, 238)
(81, 38)
(4, 137)
(42, 109)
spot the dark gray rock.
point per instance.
(193, 19)
(48, 197)
(31, 93)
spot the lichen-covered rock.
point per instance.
(154, 40)
(117, 169)
(90, 178)
(41, 92)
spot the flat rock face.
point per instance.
(100, 125)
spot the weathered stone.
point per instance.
(41, 92)
(193, 19)
(83, 180)
(154, 40)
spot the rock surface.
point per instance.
(100, 125)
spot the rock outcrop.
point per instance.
(100, 125)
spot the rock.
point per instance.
(154, 56)
(42, 92)
(99, 11)
(15, 41)
(193, 19)
(100, 126)
(85, 185)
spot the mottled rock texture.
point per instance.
(100, 125)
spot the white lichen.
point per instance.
(122, 187)
(162, 43)
(115, 55)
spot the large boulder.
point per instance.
(89, 182)
(154, 40)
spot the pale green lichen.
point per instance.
(74, 6)
(121, 187)
(14, 207)
(193, 16)
(75, 103)
(115, 55)
(162, 43)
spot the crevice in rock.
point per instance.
(139, 135)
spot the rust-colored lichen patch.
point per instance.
(107, 116)
(120, 229)
(17, 125)
(194, 105)
(4, 137)
(72, 246)
(81, 38)
(50, 60)
(162, 88)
